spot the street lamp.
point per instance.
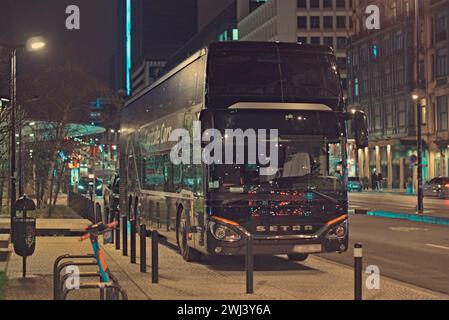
(416, 99)
(32, 44)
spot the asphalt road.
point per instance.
(397, 203)
(411, 252)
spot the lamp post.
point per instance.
(416, 98)
(33, 44)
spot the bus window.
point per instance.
(153, 175)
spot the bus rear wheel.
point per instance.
(299, 257)
(189, 254)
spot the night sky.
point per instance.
(91, 47)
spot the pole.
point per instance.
(133, 241)
(20, 168)
(143, 248)
(358, 254)
(154, 256)
(117, 231)
(125, 235)
(13, 135)
(24, 258)
(419, 115)
(249, 265)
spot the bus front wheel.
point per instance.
(189, 254)
(299, 257)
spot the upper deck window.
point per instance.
(287, 74)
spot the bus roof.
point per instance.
(235, 45)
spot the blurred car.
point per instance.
(86, 184)
(111, 195)
(437, 187)
(355, 184)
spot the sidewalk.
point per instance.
(274, 277)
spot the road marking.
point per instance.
(407, 229)
(437, 246)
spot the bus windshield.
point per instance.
(303, 162)
(287, 75)
(310, 149)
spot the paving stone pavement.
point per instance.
(275, 278)
(224, 278)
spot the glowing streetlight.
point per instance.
(35, 44)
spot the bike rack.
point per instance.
(102, 286)
(59, 293)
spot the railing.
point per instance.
(85, 207)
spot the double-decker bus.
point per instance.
(300, 209)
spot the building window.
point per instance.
(356, 87)
(393, 10)
(329, 41)
(390, 114)
(399, 41)
(441, 28)
(388, 78)
(314, 4)
(400, 76)
(401, 114)
(302, 22)
(327, 3)
(314, 22)
(340, 4)
(441, 62)
(315, 40)
(377, 117)
(442, 114)
(328, 22)
(302, 4)
(341, 43)
(302, 39)
(341, 22)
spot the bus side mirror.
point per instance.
(360, 124)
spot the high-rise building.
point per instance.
(217, 21)
(325, 22)
(383, 79)
(151, 32)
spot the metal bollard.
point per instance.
(125, 235)
(117, 231)
(249, 265)
(143, 248)
(133, 241)
(358, 254)
(155, 256)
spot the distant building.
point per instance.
(437, 57)
(151, 32)
(383, 78)
(325, 22)
(217, 22)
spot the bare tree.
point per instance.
(60, 97)
(5, 124)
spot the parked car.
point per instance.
(112, 196)
(355, 184)
(437, 187)
(86, 184)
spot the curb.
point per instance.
(410, 217)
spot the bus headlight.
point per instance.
(223, 233)
(339, 231)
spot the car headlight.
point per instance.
(223, 233)
(339, 231)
